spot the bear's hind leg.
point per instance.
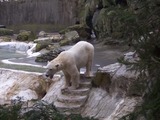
(88, 66)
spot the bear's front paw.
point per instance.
(88, 74)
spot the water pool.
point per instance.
(7, 54)
(18, 58)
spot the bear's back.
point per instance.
(82, 47)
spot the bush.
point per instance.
(142, 27)
(40, 111)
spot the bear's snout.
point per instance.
(49, 75)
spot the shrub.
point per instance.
(39, 111)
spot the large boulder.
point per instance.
(117, 93)
(42, 34)
(70, 38)
(51, 39)
(25, 85)
(82, 30)
(42, 43)
(48, 56)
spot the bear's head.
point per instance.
(52, 68)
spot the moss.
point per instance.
(4, 31)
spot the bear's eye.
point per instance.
(57, 66)
(50, 69)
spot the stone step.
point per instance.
(82, 91)
(68, 107)
(85, 79)
(85, 84)
(71, 99)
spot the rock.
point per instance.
(120, 100)
(82, 30)
(47, 42)
(70, 38)
(24, 85)
(128, 82)
(100, 104)
(40, 47)
(42, 34)
(110, 69)
(49, 55)
(131, 57)
(44, 41)
(56, 37)
(124, 107)
(72, 35)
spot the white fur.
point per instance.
(70, 62)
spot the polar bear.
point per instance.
(70, 62)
